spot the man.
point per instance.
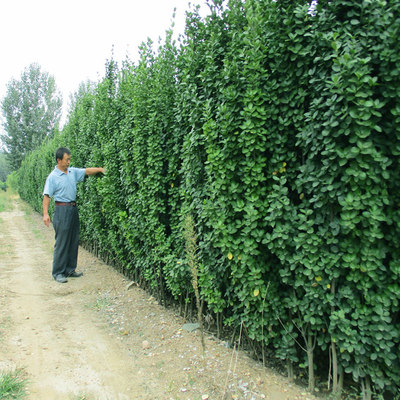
(61, 184)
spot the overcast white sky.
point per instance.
(72, 39)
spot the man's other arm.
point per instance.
(46, 203)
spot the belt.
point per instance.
(71, 203)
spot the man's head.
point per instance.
(63, 158)
(60, 153)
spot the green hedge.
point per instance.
(278, 132)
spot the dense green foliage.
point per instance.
(278, 132)
(5, 169)
(31, 110)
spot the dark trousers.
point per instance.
(66, 226)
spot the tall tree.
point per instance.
(31, 110)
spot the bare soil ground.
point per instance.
(94, 338)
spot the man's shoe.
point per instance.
(75, 274)
(61, 278)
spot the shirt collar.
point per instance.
(59, 172)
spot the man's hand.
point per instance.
(46, 220)
(46, 202)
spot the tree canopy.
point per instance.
(31, 110)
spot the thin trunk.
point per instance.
(310, 357)
(341, 378)
(335, 383)
(330, 369)
(290, 370)
(233, 337)
(290, 362)
(199, 304)
(366, 388)
(262, 343)
(186, 305)
(335, 366)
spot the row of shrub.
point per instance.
(277, 130)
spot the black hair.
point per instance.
(60, 153)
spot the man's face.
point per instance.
(64, 163)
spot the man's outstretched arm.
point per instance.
(94, 171)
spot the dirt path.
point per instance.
(94, 338)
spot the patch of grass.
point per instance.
(101, 303)
(82, 397)
(2, 203)
(5, 201)
(27, 209)
(12, 384)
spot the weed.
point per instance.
(82, 397)
(12, 384)
(101, 303)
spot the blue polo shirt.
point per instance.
(62, 186)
